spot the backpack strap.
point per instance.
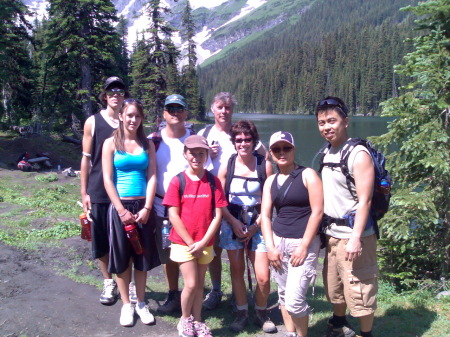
(212, 184)
(207, 130)
(156, 138)
(230, 172)
(286, 186)
(261, 169)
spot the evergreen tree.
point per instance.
(189, 78)
(81, 48)
(154, 61)
(416, 235)
(16, 75)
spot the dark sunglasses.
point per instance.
(131, 100)
(174, 109)
(330, 101)
(285, 149)
(112, 92)
(240, 140)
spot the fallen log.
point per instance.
(73, 140)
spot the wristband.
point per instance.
(86, 154)
(126, 211)
(147, 208)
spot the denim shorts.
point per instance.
(257, 243)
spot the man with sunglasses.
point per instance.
(350, 269)
(169, 162)
(95, 200)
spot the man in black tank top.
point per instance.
(93, 194)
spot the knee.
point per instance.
(237, 269)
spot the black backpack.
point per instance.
(383, 182)
(260, 169)
(212, 184)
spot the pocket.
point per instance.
(363, 284)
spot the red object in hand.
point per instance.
(134, 237)
(85, 227)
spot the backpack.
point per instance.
(260, 169)
(207, 130)
(212, 184)
(382, 184)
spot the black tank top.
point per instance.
(294, 210)
(96, 188)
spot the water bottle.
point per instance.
(385, 187)
(165, 231)
(134, 237)
(85, 227)
(245, 219)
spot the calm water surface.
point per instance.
(305, 130)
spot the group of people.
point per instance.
(218, 190)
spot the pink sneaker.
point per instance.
(186, 327)
(201, 330)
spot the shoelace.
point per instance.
(187, 325)
(202, 328)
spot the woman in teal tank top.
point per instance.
(129, 174)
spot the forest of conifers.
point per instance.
(344, 48)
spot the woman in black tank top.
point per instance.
(291, 239)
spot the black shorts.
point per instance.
(121, 251)
(99, 229)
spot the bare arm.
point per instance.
(108, 173)
(313, 184)
(273, 254)
(364, 175)
(143, 214)
(85, 166)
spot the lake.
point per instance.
(305, 131)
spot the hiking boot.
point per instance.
(127, 315)
(345, 331)
(240, 322)
(186, 327)
(262, 320)
(201, 330)
(145, 315)
(132, 293)
(213, 299)
(172, 303)
(109, 293)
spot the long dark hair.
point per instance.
(119, 135)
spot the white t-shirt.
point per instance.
(169, 162)
(226, 147)
(338, 200)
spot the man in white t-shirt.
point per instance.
(169, 144)
(221, 149)
(350, 269)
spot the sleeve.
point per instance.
(172, 196)
(200, 133)
(220, 194)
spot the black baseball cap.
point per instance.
(113, 80)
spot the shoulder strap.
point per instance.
(322, 152)
(287, 184)
(182, 181)
(260, 169)
(212, 184)
(156, 139)
(230, 172)
(207, 130)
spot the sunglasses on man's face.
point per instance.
(285, 149)
(112, 92)
(241, 140)
(174, 109)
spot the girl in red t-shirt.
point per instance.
(194, 226)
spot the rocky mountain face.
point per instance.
(219, 23)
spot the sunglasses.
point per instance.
(241, 140)
(330, 101)
(131, 100)
(174, 109)
(112, 92)
(285, 149)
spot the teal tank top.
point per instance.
(130, 174)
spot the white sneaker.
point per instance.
(109, 293)
(127, 315)
(132, 293)
(145, 315)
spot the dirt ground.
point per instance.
(34, 299)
